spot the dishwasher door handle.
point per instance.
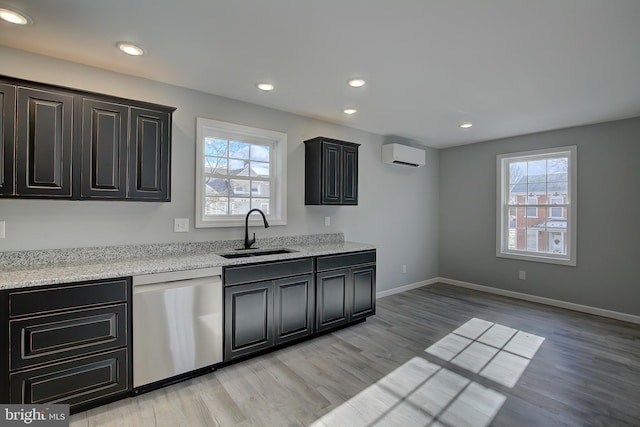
(162, 286)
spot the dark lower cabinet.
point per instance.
(248, 318)
(345, 289)
(331, 299)
(77, 382)
(67, 343)
(293, 308)
(267, 304)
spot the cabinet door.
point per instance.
(44, 339)
(293, 308)
(363, 292)
(349, 175)
(44, 144)
(77, 382)
(104, 149)
(7, 137)
(149, 155)
(331, 173)
(248, 318)
(331, 299)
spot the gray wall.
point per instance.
(396, 204)
(608, 261)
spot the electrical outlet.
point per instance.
(404, 268)
(181, 225)
(1, 229)
(522, 275)
(327, 221)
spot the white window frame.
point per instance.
(570, 205)
(209, 127)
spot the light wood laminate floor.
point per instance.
(433, 356)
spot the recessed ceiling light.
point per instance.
(356, 82)
(15, 17)
(466, 125)
(350, 111)
(267, 87)
(130, 49)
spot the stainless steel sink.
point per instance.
(245, 253)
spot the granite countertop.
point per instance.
(20, 274)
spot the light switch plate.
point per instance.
(181, 225)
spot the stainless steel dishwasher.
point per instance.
(177, 323)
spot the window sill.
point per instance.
(537, 258)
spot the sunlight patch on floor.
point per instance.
(423, 393)
(491, 350)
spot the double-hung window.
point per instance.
(537, 215)
(239, 168)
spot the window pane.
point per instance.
(558, 188)
(262, 204)
(517, 172)
(238, 150)
(532, 240)
(557, 242)
(260, 169)
(216, 187)
(216, 206)
(260, 188)
(215, 147)
(238, 167)
(260, 152)
(558, 169)
(240, 187)
(537, 171)
(239, 206)
(215, 165)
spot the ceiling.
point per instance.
(510, 67)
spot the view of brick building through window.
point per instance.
(538, 205)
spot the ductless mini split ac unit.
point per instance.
(398, 154)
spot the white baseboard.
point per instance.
(408, 287)
(542, 300)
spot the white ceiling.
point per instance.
(509, 66)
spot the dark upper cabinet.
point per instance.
(80, 145)
(104, 149)
(331, 172)
(44, 142)
(7, 138)
(149, 155)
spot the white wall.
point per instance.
(397, 211)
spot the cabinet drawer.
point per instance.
(75, 382)
(65, 297)
(43, 339)
(333, 262)
(267, 271)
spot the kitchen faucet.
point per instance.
(247, 242)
